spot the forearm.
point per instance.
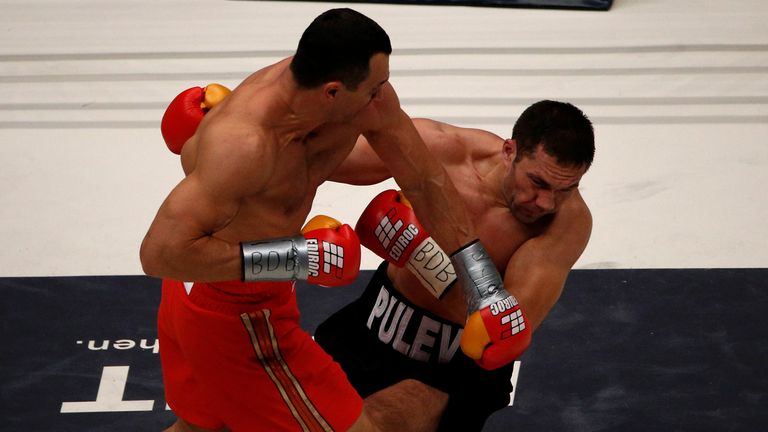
(436, 202)
(204, 259)
(311, 256)
(425, 183)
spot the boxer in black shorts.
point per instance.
(378, 349)
(398, 344)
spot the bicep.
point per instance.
(190, 212)
(536, 285)
(182, 244)
(537, 272)
(209, 197)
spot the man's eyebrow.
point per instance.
(544, 183)
(573, 186)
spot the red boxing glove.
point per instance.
(388, 227)
(186, 111)
(496, 331)
(334, 252)
(497, 334)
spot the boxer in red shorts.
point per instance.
(253, 160)
(244, 363)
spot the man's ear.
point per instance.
(331, 89)
(510, 149)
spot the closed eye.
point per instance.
(539, 183)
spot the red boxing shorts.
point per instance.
(243, 362)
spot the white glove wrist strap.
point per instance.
(432, 267)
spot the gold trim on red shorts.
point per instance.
(267, 350)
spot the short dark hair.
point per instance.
(338, 46)
(563, 131)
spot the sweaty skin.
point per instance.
(529, 215)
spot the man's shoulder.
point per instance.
(456, 143)
(573, 220)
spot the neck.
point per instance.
(299, 112)
(492, 174)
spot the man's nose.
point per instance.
(545, 200)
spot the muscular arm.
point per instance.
(537, 271)
(364, 167)
(361, 167)
(399, 150)
(182, 241)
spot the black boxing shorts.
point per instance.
(381, 339)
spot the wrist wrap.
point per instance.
(478, 275)
(275, 260)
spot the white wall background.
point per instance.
(677, 89)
